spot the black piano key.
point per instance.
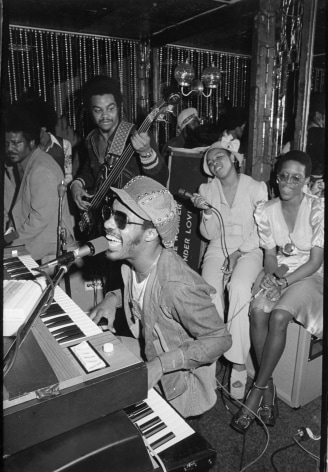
(141, 414)
(133, 408)
(162, 440)
(27, 276)
(63, 331)
(150, 423)
(11, 259)
(47, 316)
(136, 408)
(58, 321)
(150, 432)
(13, 265)
(71, 337)
(54, 309)
(17, 271)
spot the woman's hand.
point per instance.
(318, 187)
(230, 263)
(200, 202)
(268, 281)
(274, 293)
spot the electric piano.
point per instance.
(86, 421)
(62, 378)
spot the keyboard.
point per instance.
(159, 423)
(63, 318)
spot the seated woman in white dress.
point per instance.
(291, 229)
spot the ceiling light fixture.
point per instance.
(185, 76)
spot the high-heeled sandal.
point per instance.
(270, 413)
(241, 421)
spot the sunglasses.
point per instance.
(120, 218)
(290, 178)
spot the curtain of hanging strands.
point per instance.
(234, 84)
(55, 66)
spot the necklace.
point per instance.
(147, 272)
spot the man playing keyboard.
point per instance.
(174, 325)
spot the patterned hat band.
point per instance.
(152, 201)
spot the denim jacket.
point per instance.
(182, 327)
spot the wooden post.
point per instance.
(258, 163)
(304, 81)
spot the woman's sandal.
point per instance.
(269, 413)
(241, 421)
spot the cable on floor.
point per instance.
(222, 387)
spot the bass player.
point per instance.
(106, 143)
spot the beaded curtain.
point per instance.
(233, 86)
(55, 65)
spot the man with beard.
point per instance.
(34, 214)
(174, 325)
(108, 140)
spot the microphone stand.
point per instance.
(61, 233)
(23, 331)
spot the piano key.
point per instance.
(152, 431)
(134, 417)
(58, 321)
(162, 441)
(62, 304)
(27, 276)
(136, 408)
(175, 427)
(150, 424)
(54, 309)
(70, 337)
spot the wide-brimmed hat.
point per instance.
(151, 201)
(228, 143)
(186, 117)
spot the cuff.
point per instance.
(81, 181)
(172, 361)
(150, 160)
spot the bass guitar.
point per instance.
(108, 174)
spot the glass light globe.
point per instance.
(184, 74)
(197, 86)
(211, 76)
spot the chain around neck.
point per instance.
(146, 272)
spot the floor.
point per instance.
(259, 451)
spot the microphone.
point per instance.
(183, 193)
(91, 248)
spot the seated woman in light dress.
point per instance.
(233, 258)
(291, 229)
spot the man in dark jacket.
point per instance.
(107, 143)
